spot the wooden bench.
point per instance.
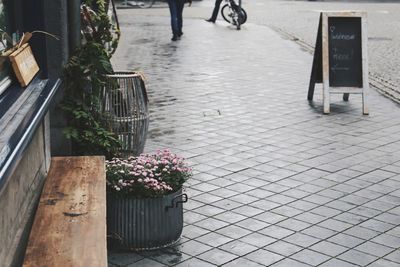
(70, 223)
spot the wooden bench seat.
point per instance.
(70, 223)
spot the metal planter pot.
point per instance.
(145, 224)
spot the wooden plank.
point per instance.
(70, 223)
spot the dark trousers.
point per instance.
(216, 10)
(176, 9)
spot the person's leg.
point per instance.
(181, 5)
(172, 4)
(215, 11)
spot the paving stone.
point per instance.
(242, 262)
(276, 231)
(239, 248)
(337, 263)
(289, 262)
(123, 258)
(301, 240)
(211, 224)
(193, 262)
(319, 232)
(194, 248)
(264, 257)
(394, 256)
(217, 256)
(387, 240)
(345, 240)
(268, 170)
(374, 249)
(257, 240)
(146, 263)
(214, 239)
(310, 257)
(383, 263)
(357, 257)
(328, 248)
(233, 231)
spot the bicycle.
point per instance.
(234, 13)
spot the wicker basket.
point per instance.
(125, 108)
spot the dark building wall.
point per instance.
(19, 198)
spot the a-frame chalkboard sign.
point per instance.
(340, 58)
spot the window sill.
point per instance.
(21, 112)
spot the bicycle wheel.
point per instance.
(145, 3)
(227, 14)
(243, 16)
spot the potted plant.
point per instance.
(143, 200)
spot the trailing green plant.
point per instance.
(85, 77)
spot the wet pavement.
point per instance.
(276, 183)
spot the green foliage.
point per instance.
(85, 76)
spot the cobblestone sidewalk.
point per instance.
(276, 183)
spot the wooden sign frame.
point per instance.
(320, 68)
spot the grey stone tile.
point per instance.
(230, 217)
(211, 224)
(146, 263)
(192, 217)
(248, 211)
(337, 263)
(289, 262)
(193, 262)
(217, 256)
(208, 210)
(319, 232)
(252, 224)
(387, 240)
(377, 225)
(276, 231)
(214, 239)
(346, 240)
(264, 257)
(394, 256)
(194, 248)
(361, 232)
(335, 225)
(233, 231)
(242, 262)
(270, 217)
(287, 211)
(265, 204)
(310, 218)
(257, 240)
(227, 204)
(239, 248)
(191, 231)
(301, 240)
(283, 248)
(310, 257)
(294, 224)
(328, 248)
(383, 263)
(124, 258)
(374, 249)
(357, 257)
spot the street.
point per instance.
(276, 182)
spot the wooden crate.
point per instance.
(24, 64)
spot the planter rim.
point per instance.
(126, 196)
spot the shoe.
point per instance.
(175, 38)
(210, 20)
(180, 34)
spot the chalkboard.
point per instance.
(341, 57)
(345, 52)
